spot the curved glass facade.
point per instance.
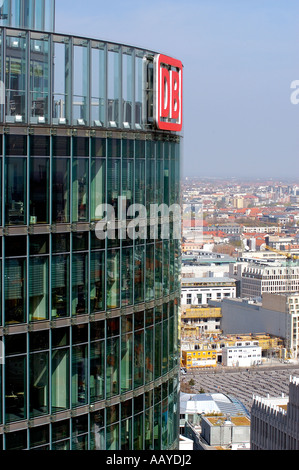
(89, 325)
(30, 14)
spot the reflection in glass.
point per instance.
(80, 189)
(114, 85)
(60, 286)
(97, 371)
(113, 288)
(98, 187)
(128, 86)
(39, 80)
(97, 281)
(138, 358)
(15, 388)
(15, 205)
(97, 431)
(112, 367)
(128, 181)
(60, 380)
(61, 190)
(38, 288)
(39, 384)
(39, 190)
(15, 81)
(15, 291)
(98, 85)
(113, 182)
(80, 96)
(79, 284)
(127, 276)
(79, 375)
(126, 362)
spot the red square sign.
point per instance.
(169, 93)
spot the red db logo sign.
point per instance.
(169, 93)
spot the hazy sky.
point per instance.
(239, 56)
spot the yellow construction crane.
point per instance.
(289, 256)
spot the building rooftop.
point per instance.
(207, 280)
(205, 403)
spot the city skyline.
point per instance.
(239, 58)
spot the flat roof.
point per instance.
(216, 280)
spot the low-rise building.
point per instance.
(214, 421)
(271, 346)
(222, 432)
(198, 358)
(201, 320)
(242, 356)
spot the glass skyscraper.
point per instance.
(89, 325)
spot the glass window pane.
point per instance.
(39, 190)
(113, 287)
(112, 437)
(60, 380)
(61, 146)
(98, 187)
(138, 432)
(79, 284)
(149, 354)
(62, 82)
(97, 431)
(139, 273)
(79, 375)
(138, 90)
(39, 384)
(114, 182)
(80, 90)
(39, 436)
(15, 204)
(15, 388)
(114, 85)
(80, 189)
(98, 85)
(126, 434)
(128, 181)
(38, 289)
(61, 190)
(126, 362)
(112, 367)
(138, 358)
(97, 371)
(39, 80)
(60, 286)
(128, 86)
(15, 80)
(16, 441)
(127, 269)
(15, 291)
(97, 281)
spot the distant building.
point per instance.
(256, 279)
(199, 358)
(242, 356)
(277, 315)
(199, 291)
(214, 421)
(222, 432)
(198, 321)
(274, 421)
